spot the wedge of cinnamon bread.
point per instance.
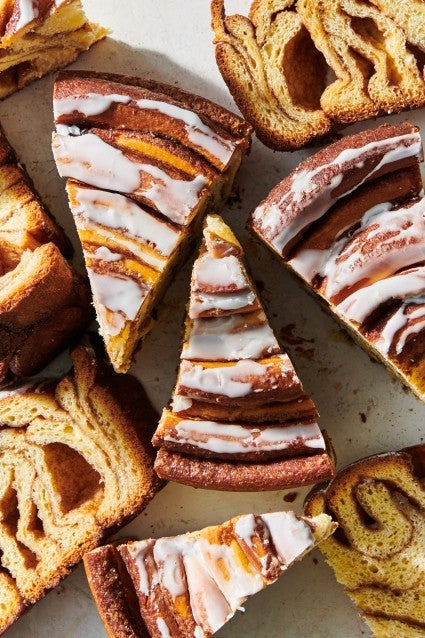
(378, 551)
(240, 419)
(191, 585)
(145, 162)
(75, 462)
(350, 222)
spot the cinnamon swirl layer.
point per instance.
(194, 583)
(378, 552)
(145, 162)
(238, 397)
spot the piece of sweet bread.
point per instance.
(274, 72)
(378, 552)
(76, 461)
(191, 585)
(298, 70)
(44, 303)
(37, 37)
(350, 222)
(240, 419)
(146, 161)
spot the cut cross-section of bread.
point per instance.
(239, 419)
(378, 550)
(39, 36)
(298, 70)
(76, 461)
(146, 161)
(350, 222)
(273, 70)
(191, 585)
(43, 301)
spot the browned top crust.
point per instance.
(224, 120)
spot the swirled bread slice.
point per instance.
(40, 36)
(44, 303)
(276, 63)
(273, 71)
(350, 222)
(191, 585)
(75, 462)
(377, 552)
(146, 161)
(240, 419)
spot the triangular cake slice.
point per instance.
(145, 162)
(75, 462)
(39, 36)
(378, 551)
(191, 585)
(239, 419)
(350, 222)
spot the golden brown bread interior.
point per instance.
(273, 71)
(191, 585)
(175, 156)
(39, 37)
(299, 70)
(44, 303)
(240, 419)
(378, 551)
(75, 463)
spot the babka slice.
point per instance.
(39, 36)
(378, 551)
(145, 161)
(75, 462)
(350, 222)
(239, 419)
(191, 585)
(43, 301)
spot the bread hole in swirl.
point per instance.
(10, 521)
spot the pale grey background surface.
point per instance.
(171, 40)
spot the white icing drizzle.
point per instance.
(198, 133)
(89, 159)
(383, 233)
(233, 579)
(227, 338)
(121, 213)
(201, 303)
(103, 254)
(231, 381)
(358, 306)
(224, 438)
(138, 551)
(28, 11)
(121, 295)
(64, 129)
(180, 404)
(167, 553)
(282, 221)
(400, 320)
(245, 530)
(291, 536)
(163, 628)
(220, 273)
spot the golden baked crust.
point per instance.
(37, 38)
(174, 156)
(276, 63)
(350, 222)
(378, 550)
(192, 584)
(240, 419)
(44, 303)
(76, 462)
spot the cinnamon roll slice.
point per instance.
(239, 418)
(378, 550)
(350, 222)
(192, 584)
(145, 161)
